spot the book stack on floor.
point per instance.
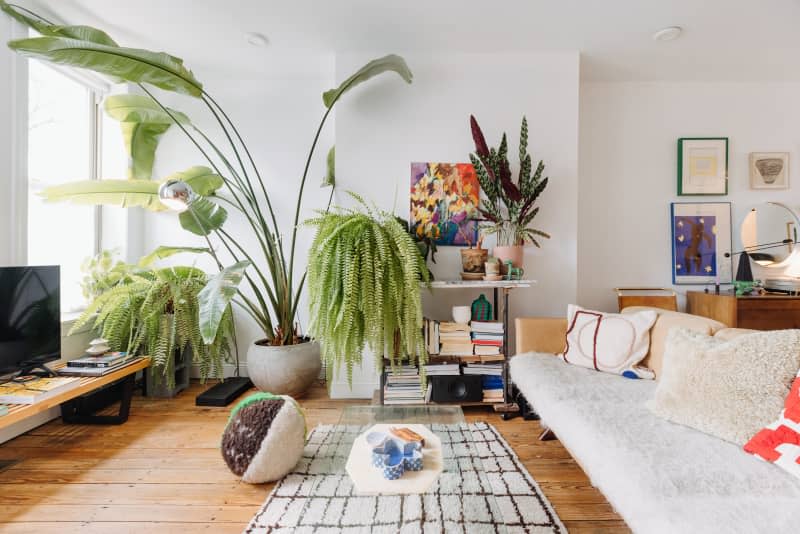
(404, 386)
(455, 339)
(97, 365)
(487, 337)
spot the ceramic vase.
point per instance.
(284, 370)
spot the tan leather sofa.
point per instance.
(547, 334)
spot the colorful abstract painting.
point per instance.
(444, 202)
(701, 236)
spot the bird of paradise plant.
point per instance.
(229, 179)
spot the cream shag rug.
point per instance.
(313, 500)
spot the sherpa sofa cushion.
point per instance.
(729, 389)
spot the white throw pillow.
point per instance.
(609, 342)
(729, 389)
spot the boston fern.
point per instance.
(364, 277)
(508, 206)
(154, 312)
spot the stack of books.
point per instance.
(492, 388)
(443, 369)
(430, 330)
(487, 337)
(97, 365)
(494, 369)
(455, 339)
(36, 390)
(404, 386)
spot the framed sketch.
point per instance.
(701, 236)
(769, 170)
(703, 166)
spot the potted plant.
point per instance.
(153, 312)
(282, 360)
(509, 206)
(472, 259)
(364, 277)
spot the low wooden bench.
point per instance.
(72, 410)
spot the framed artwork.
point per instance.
(701, 236)
(769, 170)
(444, 202)
(703, 166)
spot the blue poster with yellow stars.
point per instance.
(701, 235)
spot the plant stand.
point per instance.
(181, 368)
(508, 408)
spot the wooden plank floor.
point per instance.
(161, 472)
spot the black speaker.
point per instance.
(456, 388)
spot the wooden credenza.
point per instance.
(761, 312)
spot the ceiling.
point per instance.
(737, 40)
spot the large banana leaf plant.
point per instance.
(228, 178)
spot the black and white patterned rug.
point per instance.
(312, 500)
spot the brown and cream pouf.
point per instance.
(264, 437)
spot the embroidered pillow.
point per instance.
(779, 442)
(609, 342)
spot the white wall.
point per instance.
(382, 127)
(628, 166)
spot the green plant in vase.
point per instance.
(364, 277)
(227, 180)
(509, 206)
(153, 312)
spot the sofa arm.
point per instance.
(540, 334)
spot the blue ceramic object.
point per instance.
(394, 456)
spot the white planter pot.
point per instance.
(288, 370)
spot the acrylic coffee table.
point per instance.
(460, 498)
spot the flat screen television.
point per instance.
(30, 318)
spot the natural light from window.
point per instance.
(61, 134)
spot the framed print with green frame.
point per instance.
(702, 166)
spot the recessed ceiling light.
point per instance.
(668, 34)
(256, 39)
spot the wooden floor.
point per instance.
(162, 472)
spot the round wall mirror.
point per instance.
(769, 233)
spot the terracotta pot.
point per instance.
(472, 259)
(287, 370)
(516, 254)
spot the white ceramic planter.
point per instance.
(288, 370)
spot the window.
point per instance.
(65, 143)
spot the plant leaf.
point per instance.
(202, 180)
(133, 64)
(124, 193)
(132, 193)
(390, 63)
(203, 217)
(139, 108)
(84, 33)
(216, 296)
(330, 175)
(141, 141)
(163, 252)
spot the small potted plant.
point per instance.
(492, 267)
(472, 259)
(509, 206)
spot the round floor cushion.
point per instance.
(264, 437)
